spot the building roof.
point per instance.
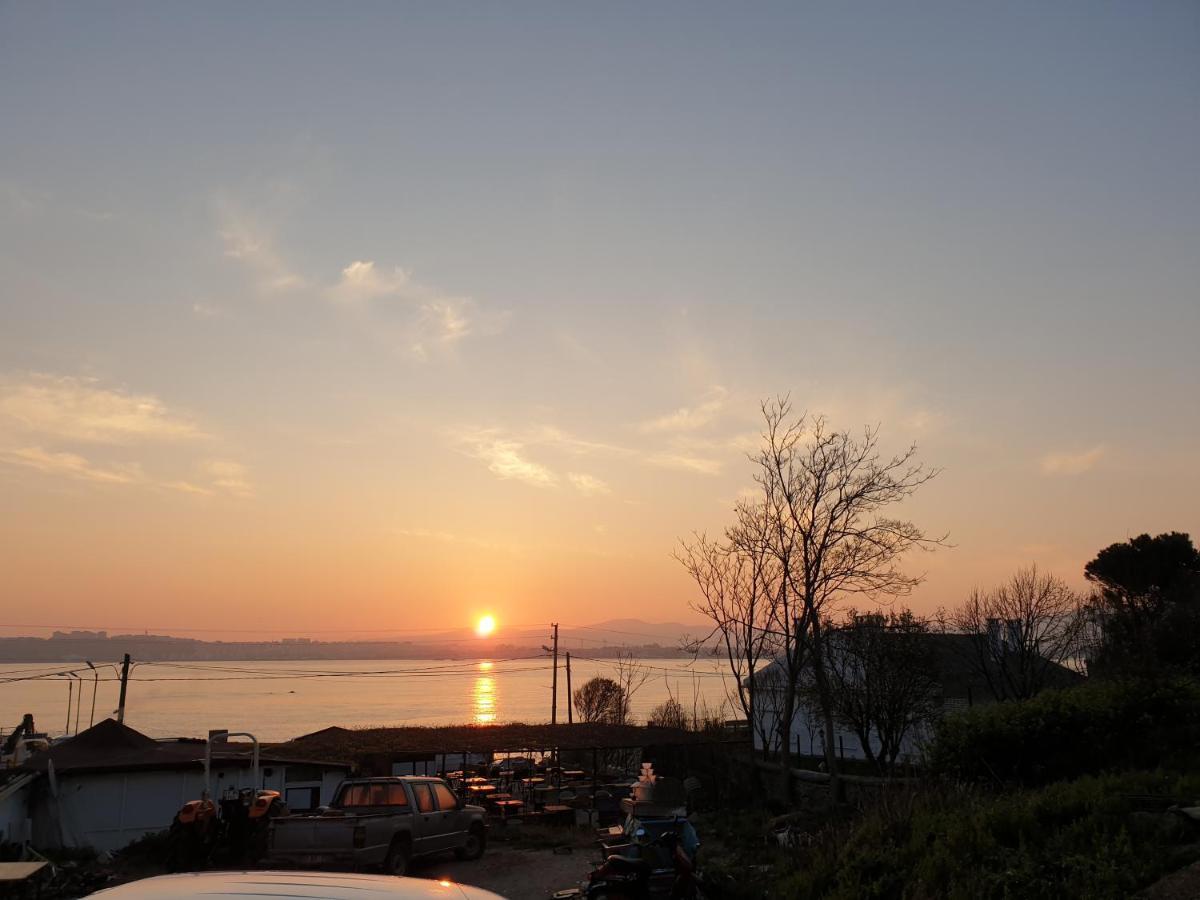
(358, 742)
(957, 671)
(112, 746)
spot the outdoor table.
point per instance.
(529, 782)
(508, 808)
(481, 788)
(501, 796)
(475, 779)
(555, 812)
(573, 773)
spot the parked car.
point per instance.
(382, 822)
(323, 885)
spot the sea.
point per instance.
(279, 700)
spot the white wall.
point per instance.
(15, 825)
(807, 736)
(107, 811)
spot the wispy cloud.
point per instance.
(71, 465)
(684, 463)
(690, 418)
(39, 410)
(505, 458)
(228, 476)
(79, 409)
(1072, 463)
(435, 319)
(588, 485)
(251, 243)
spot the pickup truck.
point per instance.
(382, 822)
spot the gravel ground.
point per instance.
(1181, 885)
(515, 873)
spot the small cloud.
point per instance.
(588, 485)
(206, 311)
(71, 465)
(505, 459)
(686, 463)
(186, 487)
(250, 243)
(78, 409)
(1072, 463)
(361, 281)
(228, 476)
(689, 418)
(436, 320)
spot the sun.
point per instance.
(485, 626)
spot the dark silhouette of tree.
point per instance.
(1147, 605)
(669, 714)
(1022, 632)
(883, 676)
(600, 700)
(739, 582)
(828, 497)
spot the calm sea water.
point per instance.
(279, 700)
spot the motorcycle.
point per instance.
(638, 878)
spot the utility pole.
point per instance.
(570, 715)
(95, 686)
(70, 694)
(78, 701)
(124, 685)
(554, 680)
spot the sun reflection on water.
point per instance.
(484, 695)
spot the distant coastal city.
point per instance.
(606, 640)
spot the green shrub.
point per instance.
(1059, 734)
(1075, 839)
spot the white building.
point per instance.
(111, 785)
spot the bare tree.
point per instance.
(826, 494)
(630, 677)
(1022, 632)
(883, 675)
(600, 700)
(739, 581)
(669, 714)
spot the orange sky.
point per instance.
(385, 321)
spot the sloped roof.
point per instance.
(357, 742)
(110, 745)
(957, 672)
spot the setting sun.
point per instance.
(487, 624)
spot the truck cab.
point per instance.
(381, 822)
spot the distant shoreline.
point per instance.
(152, 648)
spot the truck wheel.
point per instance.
(399, 854)
(475, 845)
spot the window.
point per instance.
(445, 799)
(424, 797)
(375, 794)
(303, 798)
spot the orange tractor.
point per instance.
(231, 833)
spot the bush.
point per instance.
(1060, 734)
(1074, 839)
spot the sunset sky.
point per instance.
(321, 317)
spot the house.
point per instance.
(110, 785)
(960, 683)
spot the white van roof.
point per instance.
(316, 885)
